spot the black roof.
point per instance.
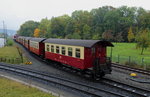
(75, 42)
(37, 39)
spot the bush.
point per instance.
(10, 42)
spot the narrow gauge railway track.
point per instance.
(78, 86)
(81, 87)
(113, 84)
(145, 72)
(129, 88)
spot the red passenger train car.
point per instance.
(36, 46)
(80, 54)
(84, 55)
(27, 42)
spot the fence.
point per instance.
(143, 63)
(11, 60)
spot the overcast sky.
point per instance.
(16, 12)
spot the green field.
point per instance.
(9, 51)
(10, 88)
(127, 52)
(10, 54)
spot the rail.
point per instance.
(142, 71)
(78, 86)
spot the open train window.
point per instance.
(57, 49)
(52, 48)
(69, 51)
(77, 52)
(47, 47)
(63, 50)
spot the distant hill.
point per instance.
(9, 32)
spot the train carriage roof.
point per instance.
(37, 39)
(21, 37)
(28, 38)
(75, 42)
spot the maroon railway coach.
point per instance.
(37, 46)
(81, 54)
(27, 42)
(20, 39)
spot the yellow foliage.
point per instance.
(36, 32)
(130, 35)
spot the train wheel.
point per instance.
(102, 75)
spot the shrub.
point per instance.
(10, 42)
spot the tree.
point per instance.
(73, 36)
(118, 37)
(36, 32)
(86, 32)
(145, 20)
(58, 25)
(45, 28)
(143, 40)
(96, 37)
(130, 35)
(107, 35)
(98, 20)
(80, 19)
(28, 28)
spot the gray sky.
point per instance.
(16, 12)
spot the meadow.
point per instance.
(127, 52)
(10, 88)
(10, 54)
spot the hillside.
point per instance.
(9, 32)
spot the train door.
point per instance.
(101, 53)
(28, 44)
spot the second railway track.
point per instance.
(94, 91)
(145, 72)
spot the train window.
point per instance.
(63, 50)
(69, 51)
(37, 45)
(52, 48)
(47, 47)
(77, 52)
(57, 49)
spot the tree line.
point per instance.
(123, 24)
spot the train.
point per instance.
(83, 55)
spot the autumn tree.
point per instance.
(143, 40)
(45, 28)
(94, 24)
(130, 35)
(107, 35)
(27, 28)
(118, 37)
(36, 32)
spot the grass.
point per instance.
(10, 88)
(10, 54)
(122, 51)
(9, 51)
